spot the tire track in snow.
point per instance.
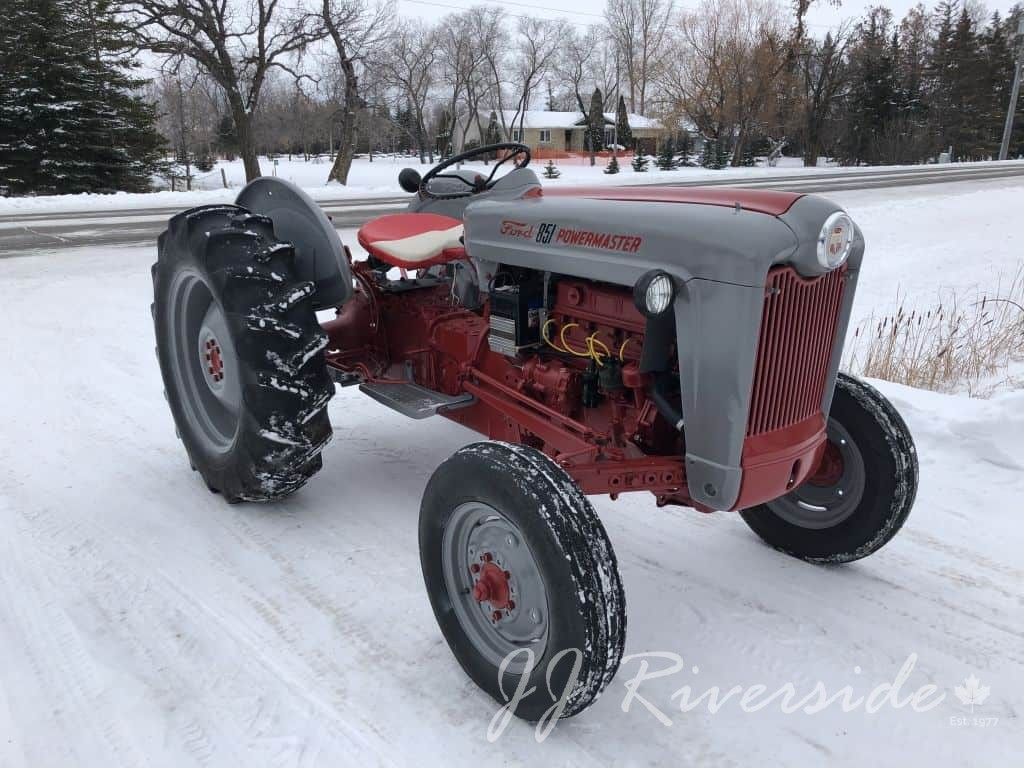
(168, 617)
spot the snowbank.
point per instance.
(380, 179)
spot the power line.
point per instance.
(564, 12)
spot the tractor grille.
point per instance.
(798, 327)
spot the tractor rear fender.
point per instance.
(319, 253)
(720, 256)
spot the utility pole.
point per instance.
(1012, 109)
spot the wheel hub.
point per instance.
(830, 469)
(833, 492)
(492, 586)
(500, 596)
(214, 360)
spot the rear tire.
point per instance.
(860, 497)
(240, 353)
(501, 508)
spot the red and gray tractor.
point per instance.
(685, 342)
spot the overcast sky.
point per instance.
(583, 12)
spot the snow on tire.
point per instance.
(241, 353)
(514, 557)
(861, 494)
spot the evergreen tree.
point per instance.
(493, 135)
(551, 170)
(721, 155)
(685, 148)
(666, 159)
(622, 129)
(709, 156)
(613, 165)
(227, 139)
(595, 124)
(69, 121)
(204, 162)
(640, 162)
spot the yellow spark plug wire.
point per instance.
(547, 339)
(561, 337)
(593, 340)
(622, 349)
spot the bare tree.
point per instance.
(409, 65)
(354, 27)
(820, 77)
(536, 53)
(576, 65)
(727, 57)
(639, 29)
(458, 58)
(236, 42)
(485, 27)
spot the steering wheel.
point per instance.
(480, 184)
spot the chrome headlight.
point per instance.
(835, 241)
(654, 292)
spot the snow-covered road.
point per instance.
(145, 622)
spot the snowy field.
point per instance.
(143, 622)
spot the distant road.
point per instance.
(26, 232)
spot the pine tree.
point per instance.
(721, 155)
(640, 162)
(551, 170)
(227, 139)
(613, 165)
(709, 155)
(685, 148)
(622, 129)
(493, 135)
(69, 121)
(595, 124)
(666, 159)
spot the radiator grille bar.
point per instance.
(798, 327)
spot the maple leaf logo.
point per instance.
(972, 692)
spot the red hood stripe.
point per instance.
(760, 200)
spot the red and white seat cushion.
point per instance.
(413, 240)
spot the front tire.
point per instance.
(240, 353)
(514, 557)
(862, 492)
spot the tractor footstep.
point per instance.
(414, 401)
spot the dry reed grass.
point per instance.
(966, 343)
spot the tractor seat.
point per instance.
(413, 240)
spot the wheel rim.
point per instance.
(496, 588)
(206, 367)
(833, 493)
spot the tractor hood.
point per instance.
(769, 201)
(616, 235)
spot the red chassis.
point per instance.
(615, 445)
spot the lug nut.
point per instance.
(511, 605)
(475, 567)
(496, 615)
(486, 557)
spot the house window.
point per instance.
(517, 134)
(545, 135)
